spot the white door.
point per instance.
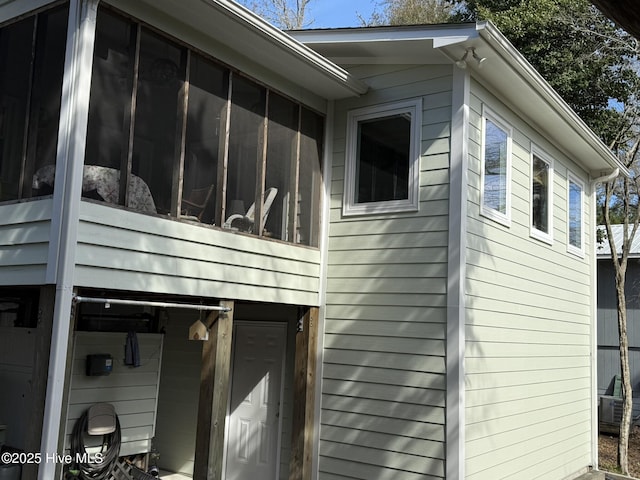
(254, 425)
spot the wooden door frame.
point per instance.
(215, 382)
(304, 393)
(284, 327)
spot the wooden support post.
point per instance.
(304, 382)
(214, 395)
(73, 325)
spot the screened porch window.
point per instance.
(282, 147)
(195, 140)
(204, 139)
(246, 141)
(31, 68)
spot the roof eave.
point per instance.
(248, 38)
(286, 42)
(441, 34)
(507, 69)
(525, 70)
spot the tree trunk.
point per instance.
(627, 393)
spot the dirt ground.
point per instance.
(608, 452)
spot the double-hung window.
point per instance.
(495, 194)
(541, 196)
(383, 153)
(575, 215)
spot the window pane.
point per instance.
(281, 153)
(206, 121)
(540, 200)
(109, 106)
(15, 66)
(575, 214)
(46, 94)
(495, 168)
(310, 178)
(382, 165)
(160, 80)
(245, 150)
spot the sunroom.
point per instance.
(194, 139)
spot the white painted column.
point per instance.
(327, 168)
(66, 206)
(456, 314)
(593, 328)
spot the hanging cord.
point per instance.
(95, 470)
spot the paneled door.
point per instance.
(254, 422)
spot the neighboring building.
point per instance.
(608, 339)
(400, 244)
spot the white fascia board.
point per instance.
(413, 44)
(441, 34)
(446, 40)
(522, 68)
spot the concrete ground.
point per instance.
(615, 476)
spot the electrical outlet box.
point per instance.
(99, 364)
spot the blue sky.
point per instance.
(340, 13)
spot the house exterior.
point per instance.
(608, 340)
(351, 253)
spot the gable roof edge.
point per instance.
(281, 39)
(501, 45)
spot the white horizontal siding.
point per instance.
(529, 308)
(179, 393)
(125, 250)
(24, 242)
(384, 377)
(133, 392)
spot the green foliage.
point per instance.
(580, 52)
(616, 212)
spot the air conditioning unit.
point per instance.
(610, 411)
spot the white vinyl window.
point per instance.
(495, 173)
(575, 215)
(541, 195)
(382, 158)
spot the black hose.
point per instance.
(94, 470)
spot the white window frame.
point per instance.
(540, 154)
(350, 207)
(579, 251)
(493, 214)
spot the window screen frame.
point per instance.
(303, 222)
(354, 117)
